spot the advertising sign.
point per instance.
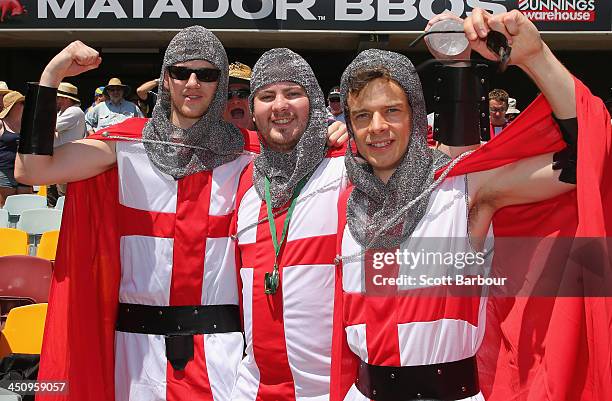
(368, 16)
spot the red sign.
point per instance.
(558, 10)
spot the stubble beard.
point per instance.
(284, 146)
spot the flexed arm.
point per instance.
(36, 162)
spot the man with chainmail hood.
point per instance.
(286, 235)
(400, 337)
(144, 299)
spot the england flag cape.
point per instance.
(540, 348)
(78, 344)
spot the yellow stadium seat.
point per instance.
(13, 242)
(42, 191)
(23, 331)
(48, 245)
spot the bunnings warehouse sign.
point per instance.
(334, 15)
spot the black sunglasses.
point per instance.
(334, 98)
(203, 74)
(239, 93)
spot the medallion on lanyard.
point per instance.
(272, 280)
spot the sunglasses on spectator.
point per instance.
(239, 93)
(334, 98)
(202, 74)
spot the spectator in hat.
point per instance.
(10, 125)
(147, 97)
(512, 111)
(99, 97)
(114, 110)
(70, 124)
(334, 108)
(69, 127)
(3, 91)
(237, 109)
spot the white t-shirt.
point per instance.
(70, 126)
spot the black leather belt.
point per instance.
(178, 324)
(177, 320)
(442, 381)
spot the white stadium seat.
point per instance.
(15, 204)
(60, 203)
(37, 221)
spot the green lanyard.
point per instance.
(271, 280)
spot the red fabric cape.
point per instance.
(78, 344)
(539, 348)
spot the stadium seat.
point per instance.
(23, 331)
(13, 242)
(16, 204)
(4, 218)
(60, 203)
(42, 190)
(48, 245)
(25, 277)
(37, 221)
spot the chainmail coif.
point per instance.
(285, 170)
(373, 203)
(217, 141)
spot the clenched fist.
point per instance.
(522, 35)
(74, 59)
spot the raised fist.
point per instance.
(74, 59)
(522, 35)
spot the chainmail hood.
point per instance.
(373, 204)
(285, 170)
(210, 142)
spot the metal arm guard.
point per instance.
(461, 107)
(38, 122)
(567, 159)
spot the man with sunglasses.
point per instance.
(237, 109)
(144, 298)
(334, 108)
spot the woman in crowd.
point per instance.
(10, 123)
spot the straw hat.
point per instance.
(9, 100)
(69, 91)
(4, 88)
(239, 73)
(114, 82)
